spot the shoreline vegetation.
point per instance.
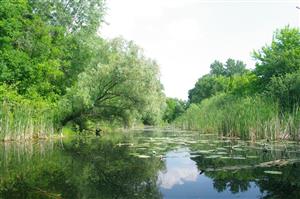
(58, 76)
(262, 103)
(250, 118)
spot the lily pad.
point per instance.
(252, 156)
(238, 149)
(239, 158)
(225, 157)
(143, 156)
(273, 172)
(212, 156)
(221, 153)
(221, 149)
(204, 151)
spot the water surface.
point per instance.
(150, 164)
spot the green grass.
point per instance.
(247, 117)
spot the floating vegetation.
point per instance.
(205, 151)
(225, 157)
(273, 172)
(124, 144)
(212, 156)
(140, 156)
(221, 153)
(203, 141)
(221, 149)
(238, 149)
(252, 156)
(239, 158)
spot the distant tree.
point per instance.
(174, 109)
(217, 68)
(234, 67)
(206, 86)
(230, 68)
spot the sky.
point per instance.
(186, 36)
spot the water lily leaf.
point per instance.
(225, 157)
(252, 156)
(221, 153)
(221, 149)
(204, 141)
(204, 151)
(239, 158)
(143, 156)
(273, 172)
(191, 142)
(212, 156)
(238, 149)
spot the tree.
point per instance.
(282, 56)
(230, 68)
(217, 68)
(74, 16)
(123, 85)
(206, 86)
(174, 109)
(286, 90)
(234, 67)
(30, 51)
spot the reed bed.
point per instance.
(248, 118)
(23, 120)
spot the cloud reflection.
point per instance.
(179, 169)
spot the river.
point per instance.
(150, 164)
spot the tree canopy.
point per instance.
(51, 53)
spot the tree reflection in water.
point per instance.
(81, 168)
(111, 167)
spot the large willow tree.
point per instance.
(122, 85)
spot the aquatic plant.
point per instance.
(252, 118)
(23, 120)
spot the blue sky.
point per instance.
(186, 36)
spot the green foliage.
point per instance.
(247, 117)
(230, 68)
(54, 65)
(233, 67)
(74, 16)
(174, 109)
(205, 87)
(276, 80)
(286, 90)
(222, 77)
(123, 86)
(21, 120)
(30, 51)
(280, 57)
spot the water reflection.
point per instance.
(148, 165)
(179, 169)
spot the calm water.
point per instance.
(150, 165)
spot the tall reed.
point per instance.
(25, 120)
(245, 117)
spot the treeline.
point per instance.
(251, 104)
(56, 70)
